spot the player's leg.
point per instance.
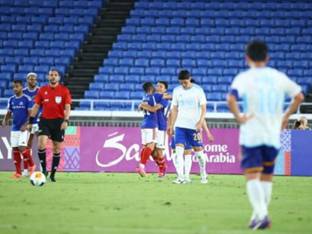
(43, 137)
(173, 152)
(148, 137)
(188, 163)
(252, 166)
(55, 159)
(17, 159)
(269, 156)
(57, 137)
(195, 141)
(25, 151)
(180, 139)
(160, 147)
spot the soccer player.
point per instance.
(55, 101)
(148, 126)
(162, 113)
(31, 91)
(188, 114)
(19, 107)
(262, 90)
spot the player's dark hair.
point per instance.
(18, 82)
(193, 81)
(56, 70)
(184, 75)
(165, 83)
(257, 50)
(297, 124)
(147, 86)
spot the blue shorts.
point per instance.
(259, 159)
(188, 137)
(173, 145)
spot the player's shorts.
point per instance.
(148, 135)
(161, 139)
(173, 144)
(259, 159)
(188, 137)
(19, 138)
(52, 129)
(34, 129)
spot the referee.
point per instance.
(55, 101)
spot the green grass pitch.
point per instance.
(126, 204)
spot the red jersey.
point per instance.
(53, 101)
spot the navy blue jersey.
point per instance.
(19, 107)
(162, 113)
(150, 118)
(32, 94)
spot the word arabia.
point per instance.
(219, 154)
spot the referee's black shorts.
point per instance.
(52, 129)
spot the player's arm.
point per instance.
(33, 112)
(172, 119)
(6, 118)
(234, 109)
(201, 120)
(292, 108)
(167, 96)
(207, 131)
(150, 108)
(67, 111)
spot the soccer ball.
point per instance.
(37, 179)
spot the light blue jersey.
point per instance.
(263, 92)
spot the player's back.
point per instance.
(263, 92)
(162, 113)
(150, 118)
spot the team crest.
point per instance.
(58, 99)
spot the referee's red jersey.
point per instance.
(53, 101)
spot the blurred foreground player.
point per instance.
(31, 91)
(263, 90)
(55, 101)
(19, 107)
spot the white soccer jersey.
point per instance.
(189, 103)
(263, 92)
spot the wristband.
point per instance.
(31, 119)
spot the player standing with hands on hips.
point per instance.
(55, 101)
(263, 91)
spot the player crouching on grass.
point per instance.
(263, 90)
(161, 98)
(19, 107)
(148, 127)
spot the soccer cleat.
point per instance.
(178, 181)
(204, 180)
(140, 170)
(253, 223)
(161, 174)
(25, 173)
(31, 169)
(265, 223)
(16, 176)
(52, 178)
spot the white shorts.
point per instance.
(19, 138)
(161, 139)
(34, 129)
(148, 135)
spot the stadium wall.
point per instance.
(116, 149)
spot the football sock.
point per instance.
(25, 163)
(145, 154)
(202, 159)
(180, 162)
(174, 159)
(267, 189)
(55, 163)
(256, 198)
(42, 158)
(17, 161)
(27, 156)
(187, 165)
